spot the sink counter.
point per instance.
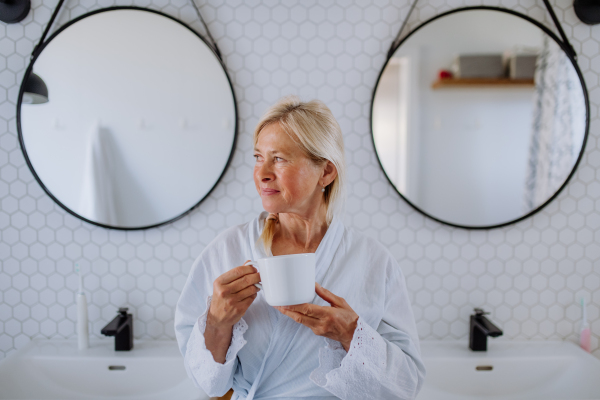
(100, 349)
(509, 370)
(153, 370)
(56, 369)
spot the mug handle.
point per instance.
(255, 265)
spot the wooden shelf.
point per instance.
(474, 82)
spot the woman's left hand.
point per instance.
(337, 322)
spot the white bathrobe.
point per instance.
(273, 357)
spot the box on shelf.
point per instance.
(521, 66)
(478, 66)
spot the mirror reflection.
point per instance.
(139, 122)
(479, 118)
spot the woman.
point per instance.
(359, 343)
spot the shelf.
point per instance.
(474, 82)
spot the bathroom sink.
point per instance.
(55, 369)
(509, 370)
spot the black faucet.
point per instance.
(121, 327)
(480, 329)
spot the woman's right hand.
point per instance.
(233, 292)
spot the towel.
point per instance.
(98, 201)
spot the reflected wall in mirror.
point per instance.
(140, 121)
(479, 117)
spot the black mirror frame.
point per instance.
(30, 71)
(572, 57)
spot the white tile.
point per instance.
(109, 282)
(529, 328)
(440, 329)
(521, 313)
(118, 298)
(164, 313)
(29, 297)
(547, 328)
(31, 327)
(66, 328)
(12, 327)
(6, 342)
(459, 328)
(12, 297)
(48, 328)
(450, 313)
(154, 298)
(39, 312)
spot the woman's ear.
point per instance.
(329, 173)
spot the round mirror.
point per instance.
(479, 117)
(127, 118)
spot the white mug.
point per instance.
(288, 279)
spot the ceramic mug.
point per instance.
(287, 280)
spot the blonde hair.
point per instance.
(312, 126)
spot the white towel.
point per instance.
(98, 201)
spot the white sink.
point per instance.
(55, 369)
(509, 370)
(153, 370)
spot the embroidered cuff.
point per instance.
(210, 374)
(351, 375)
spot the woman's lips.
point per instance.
(269, 192)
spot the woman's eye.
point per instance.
(278, 159)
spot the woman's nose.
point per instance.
(264, 172)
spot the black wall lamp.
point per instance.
(588, 11)
(12, 11)
(35, 90)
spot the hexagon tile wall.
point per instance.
(528, 275)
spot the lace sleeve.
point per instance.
(213, 377)
(356, 374)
